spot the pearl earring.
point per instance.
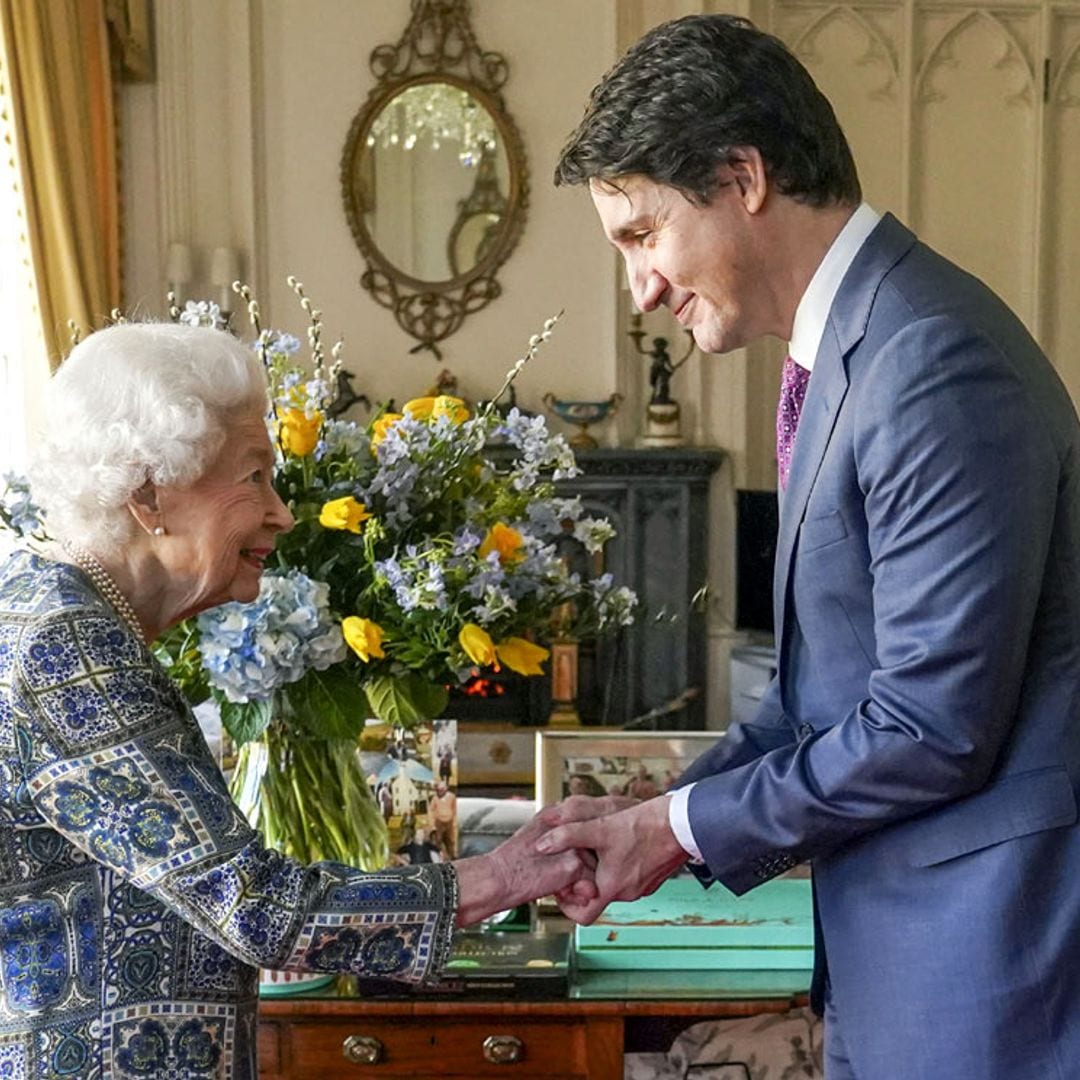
(159, 530)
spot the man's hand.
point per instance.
(586, 807)
(634, 847)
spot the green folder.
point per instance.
(683, 926)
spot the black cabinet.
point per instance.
(658, 502)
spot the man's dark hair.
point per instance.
(692, 89)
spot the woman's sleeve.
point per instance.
(115, 762)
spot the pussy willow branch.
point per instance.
(252, 306)
(534, 347)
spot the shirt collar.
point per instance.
(813, 310)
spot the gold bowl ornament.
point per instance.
(582, 413)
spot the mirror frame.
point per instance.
(438, 46)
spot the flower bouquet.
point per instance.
(417, 561)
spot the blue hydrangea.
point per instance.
(251, 650)
(18, 510)
(341, 437)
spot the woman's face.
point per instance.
(221, 529)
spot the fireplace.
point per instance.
(508, 698)
(501, 697)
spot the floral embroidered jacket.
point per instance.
(135, 900)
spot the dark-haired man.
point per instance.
(921, 741)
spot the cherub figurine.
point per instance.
(660, 372)
(662, 413)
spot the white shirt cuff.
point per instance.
(679, 820)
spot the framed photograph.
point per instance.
(496, 754)
(413, 775)
(596, 761)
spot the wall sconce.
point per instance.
(224, 270)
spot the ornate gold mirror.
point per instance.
(434, 175)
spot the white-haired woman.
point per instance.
(135, 900)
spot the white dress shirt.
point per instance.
(806, 332)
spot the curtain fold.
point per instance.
(61, 93)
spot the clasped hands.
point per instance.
(585, 851)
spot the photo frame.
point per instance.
(497, 754)
(413, 776)
(613, 762)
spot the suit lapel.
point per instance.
(828, 385)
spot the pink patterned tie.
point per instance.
(792, 395)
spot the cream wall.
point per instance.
(253, 104)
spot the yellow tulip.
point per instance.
(506, 541)
(420, 408)
(381, 426)
(344, 513)
(364, 637)
(454, 407)
(298, 432)
(522, 656)
(477, 643)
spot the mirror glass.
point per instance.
(432, 177)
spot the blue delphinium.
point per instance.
(614, 604)
(547, 515)
(539, 450)
(277, 343)
(251, 650)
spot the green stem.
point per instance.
(313, 801)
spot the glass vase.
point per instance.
(309, 798)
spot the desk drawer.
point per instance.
(425, 1047)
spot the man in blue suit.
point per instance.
(921, 741)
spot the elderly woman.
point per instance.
(135, 901)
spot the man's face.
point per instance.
(702, 263)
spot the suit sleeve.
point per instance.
(959, 478)
(115, 763)
(745, 741)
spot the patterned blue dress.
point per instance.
(135, 901)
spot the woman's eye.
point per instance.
(257, 476)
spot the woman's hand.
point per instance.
(516, 871)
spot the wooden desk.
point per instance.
(580, 1038)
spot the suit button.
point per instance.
(805, 731)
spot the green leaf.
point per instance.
(245, 720)
(405, 699)
(328, 704)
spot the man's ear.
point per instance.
(145, 509)
(745, 168)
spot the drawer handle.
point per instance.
(503, 1049)
(362, 1050)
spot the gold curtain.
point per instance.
(62, 99)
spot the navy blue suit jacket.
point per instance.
(921, 742)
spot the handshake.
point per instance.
(584, 851)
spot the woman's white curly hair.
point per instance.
(131, 403)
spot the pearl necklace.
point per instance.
(104, 585)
